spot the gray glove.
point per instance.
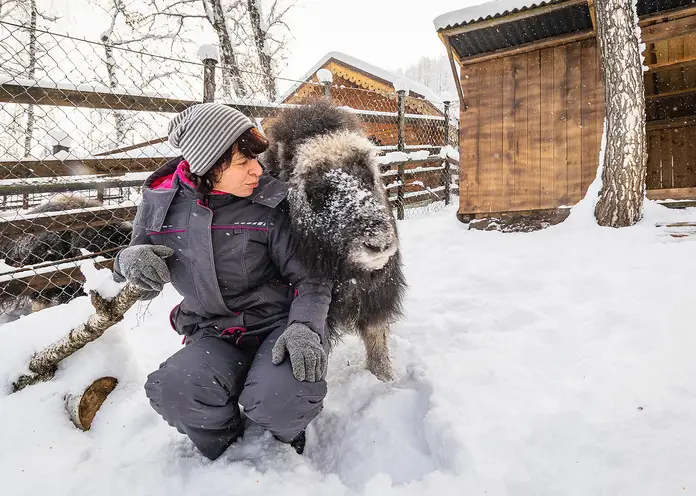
(144, 267)
(307, 357)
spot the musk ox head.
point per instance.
(338, 203)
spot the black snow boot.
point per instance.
(298, 444)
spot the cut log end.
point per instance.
(82, 408)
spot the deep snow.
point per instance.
(552, 363)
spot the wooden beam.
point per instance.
(475, 26)
(528, 47)
(672, 123)
(66, 220)
(12, 92)
(133, 147)
(660, 17)
(668, 29)
(668, 94)
(455, 74)
(674, 64)
(591, 6)
(675, 224)
(672, 194)
(52, 168)
(20, 188)
(33, 281)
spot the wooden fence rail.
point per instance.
(65, 221)
(18, 169)
(21, 188)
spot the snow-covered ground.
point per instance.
(553, 363)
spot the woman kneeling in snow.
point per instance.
(216, 226)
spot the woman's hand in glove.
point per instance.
(307, 357)
(144, 266)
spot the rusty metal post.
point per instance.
(400, 146)
(327, 90)
(209, 56)
(209, 80)
(326, 79)
(447, 180)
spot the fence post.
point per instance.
(447, 180)
(209, 56)
(325, 78)
(400, 146)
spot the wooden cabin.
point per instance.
(363, 86)
(532, 102)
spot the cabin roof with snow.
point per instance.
(365, 75)
(499, 25)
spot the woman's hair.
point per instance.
(251, 144)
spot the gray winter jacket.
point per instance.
(234, 261)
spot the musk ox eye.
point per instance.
(317, 198)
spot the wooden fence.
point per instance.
(412, 183)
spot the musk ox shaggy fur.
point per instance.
(342, 221)
(33, 248)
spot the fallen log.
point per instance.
(44, 363)
(83, 407)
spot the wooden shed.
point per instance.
(532, 102)
(363, 86)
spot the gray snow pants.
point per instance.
(198, 391)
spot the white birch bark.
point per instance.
(44, 364)
(260, 28)
(620, 200)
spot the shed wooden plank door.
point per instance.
(591, 129)
(523, 173)
(509, 145)
(538, 120)
(497, 203)
(529, 172)
(546, 141)
(486, 186)
(574, 123)
(469, 133)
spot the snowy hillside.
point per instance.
(554, 363)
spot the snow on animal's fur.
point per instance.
(33, 248)
(342, 220)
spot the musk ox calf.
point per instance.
(342, 221)
(47, 246)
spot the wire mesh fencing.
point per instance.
(84, 123)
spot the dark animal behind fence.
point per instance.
(46, 246)
(342, 220)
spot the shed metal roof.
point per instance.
(571, 19)
(485, 11)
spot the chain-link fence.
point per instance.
(82, 124)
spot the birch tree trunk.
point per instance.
(260, 29)
(110, 61)
(620, 201)
(230, 65)
(31, 74)
(106, 314)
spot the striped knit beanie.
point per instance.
(204, 132)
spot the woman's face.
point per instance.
(241, 177)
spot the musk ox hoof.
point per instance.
(382, 371)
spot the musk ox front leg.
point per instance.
(378, 362)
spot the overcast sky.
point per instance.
(391, 34)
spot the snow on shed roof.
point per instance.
(413, 86)
(484, 11)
